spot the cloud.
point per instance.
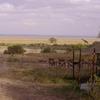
(28, 22)
(53, 16)
(6, 7)
(79, 1)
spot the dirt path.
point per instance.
(11, 90)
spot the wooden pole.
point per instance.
(80, 54)
(93, 66)
(93, 71)
(73, 64)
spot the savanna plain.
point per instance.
(28, 76)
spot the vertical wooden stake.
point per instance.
(73, 64)
(80, 54)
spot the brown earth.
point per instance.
(16, 90)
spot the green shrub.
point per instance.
(48, 50)
(78, 46)
(15, 49)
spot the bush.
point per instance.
(6, 52)
(15, 49)
(48, 50)
(78, 46)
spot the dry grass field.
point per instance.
(33, 40)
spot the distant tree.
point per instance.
(53, 40)
(98, 35)
(15, 49)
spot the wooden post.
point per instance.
(93, 71)
(80, 54)
(94, 61)
(73, 64)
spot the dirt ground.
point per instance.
(18, 90)
(10, 90)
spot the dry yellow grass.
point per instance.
(30, 40)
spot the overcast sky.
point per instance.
(50, 17)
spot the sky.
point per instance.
(50, 17)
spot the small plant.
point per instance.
(15, 49)
(48, 50)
